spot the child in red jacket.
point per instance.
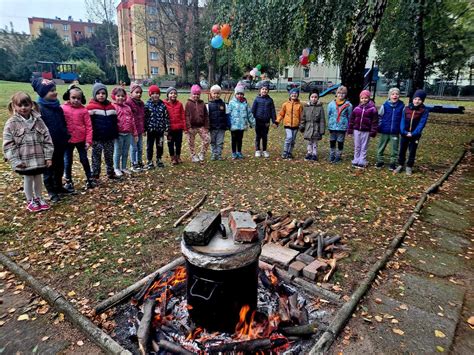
(79, 127)
(177, 124)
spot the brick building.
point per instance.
(69, 30)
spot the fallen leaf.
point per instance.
(378, 300)
(23, 317)
(96, 284)
(80, 343)
(394, 321)
(71, 294)
(378, 318)
(2, 322)
(404, 307)
(45, 338)
(12, 310)
(471, 321)
(42, 310)
(398, 331)
(439, 334)
(440, 349)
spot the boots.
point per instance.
(174, 160)
(332, 155)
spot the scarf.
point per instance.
(340, 107)
(241, 99)
(48, 103)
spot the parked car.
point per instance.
(315, 84)
(295, 85)
(228, 84)
(204, 84)
(259, 85)
(247, 84)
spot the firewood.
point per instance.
(332, 264)
(307, 223)
(247, 346)
(143, 332)
(295, 246)
(332, 240)
(283, 309)
(320, 246)
(310, 238)
(281, 224)
(190, 212)
(173, 348)
(301, 330)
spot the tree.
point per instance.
(89, 72)
(82, 53)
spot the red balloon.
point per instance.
(304, 61)
(225, 30)
(215, 29)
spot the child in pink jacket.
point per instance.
(79, 127)
(127, 131)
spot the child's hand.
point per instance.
(275, 125)
(87, 146)
(21, 166)
(144, 134)
(408, 134)
(49, 162)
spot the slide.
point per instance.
(329, 90)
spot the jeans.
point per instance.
(175, 140)
(136, 150)
(108, 148)
(237, 137)
(361, 144)
(410, 144)
(383, 141)
(53, 176)
(261, 134)
(68, 158)
(121, 146)
(153, 138)
(290, 140)
(217, 141)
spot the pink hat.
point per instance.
(134, 86)
(196, 89)
(365, 93)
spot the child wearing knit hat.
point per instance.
(290, 113)
(411, 127)
(177, 124)
(363, 123)
(241, 118)
(197, 123)
(218, 122)
(138, 110)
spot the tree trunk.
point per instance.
(195, 39)
(419, 60)
(182, 55)
(212, 67)
(366, 23)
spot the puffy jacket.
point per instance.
(313, 123)
(138, 111)
(30, 145)
(78, 123)
(390, 116)
(53, 118)
(263, 109)
(196, 114)
(104, 120)
(414, 120)
(338, 115)
(290, 114)
(125, 119)
(157, 118)
(364, 118)
(217, 114)
(240, 115)
(176, 114)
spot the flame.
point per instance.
(194, 334)
(253, 329)
(273, 278)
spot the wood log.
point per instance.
(318, 291)
(190, 212)
(307, 223)
(283, 309)
(173, 348)
(247, 346)
(332, 240)
(301, 330)
(286, 220)
(310, 238)
(319, 250)
(143, 332)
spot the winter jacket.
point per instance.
(30, 146)
(338, 115)
(263, 109)
(290, 114)
(390, 116)
(157, 118)
(414, 120)
(176, 115)
(240, 115)
(104, 120)
(364, 118)
(78, 123)
(53, 118)
(217, 115)
(125, 119)
(138, 111)
(196, 114)
(313, 123)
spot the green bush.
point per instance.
(89, 72)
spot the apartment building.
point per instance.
(69, 30)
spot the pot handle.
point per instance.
(196, 280)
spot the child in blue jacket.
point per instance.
(240, 119)
(263, 109)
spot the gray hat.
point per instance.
(239, 89)
(170, 89)
(97, 87)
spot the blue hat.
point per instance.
(294, 91)
(420, 94)
(43, 86)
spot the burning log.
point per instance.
(283, 309)
(190, 212)
(143, 332)
(248, 346)
(173, 348)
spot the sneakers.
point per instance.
(54, 197)
(195, 159)
(90, 184)
(126, 172)
(213, 157)
(289, 156)
(201, 157)
(140, 165)
(308, 157)
(234, 156)
(284, 155)
(118, 172)
(178, 159)
(379, 165)
(399, 169)
(174, 160)
(33, 206)
(392, 167)
(258, 154)
(314, 157)
(240, 155)
(160, 164)
(112, 176)
(42, 204)
(266, 154)
(149, 165)
(409, 171)
(136, 168)
(69, 186)
(337, 159)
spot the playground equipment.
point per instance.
(56, 71)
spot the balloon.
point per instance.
(305, 52)
(253, 73)
(225, 30)
(259, 67)
(258, 73)
(312, 57)
(215, 29)
(227, 42)
(217, 42)
(304, 61)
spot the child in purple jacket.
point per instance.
(363, 123)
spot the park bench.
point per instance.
(168, 83)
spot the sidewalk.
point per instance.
(422, 301)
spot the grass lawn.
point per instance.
(102, 240)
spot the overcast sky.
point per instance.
(18, 11)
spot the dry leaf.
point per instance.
(439, 334)
(440, 349)
(404, 307)
(12, 310)
(96, 284)
(42, 310)
(378, 300)
(71, 294)
(24, 317)
(332, 264)
(45, 338)
(2, 322)
(80, 343)
(378, 318)
(471, 321)
(394, 321)
(398, 331)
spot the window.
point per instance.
(172, 71)
(48, 25)
(286, 73)
(152, 41)
(66, 38)
(171, 56)
(306, 72)
(153, 55)
(152, 10)
(154, 70)
(90, 29)
(65, 28)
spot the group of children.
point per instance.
(40, 138)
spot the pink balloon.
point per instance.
(215, 29)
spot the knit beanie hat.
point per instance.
(67, 94)
(97, 87)
(196, 89)
(294, 91)
(154, 89)
(420, 94)
(134, 86)
(168, 91)
(215, 88)
(115, 90)
(43, 86)
(365, 93)
(239, 89)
